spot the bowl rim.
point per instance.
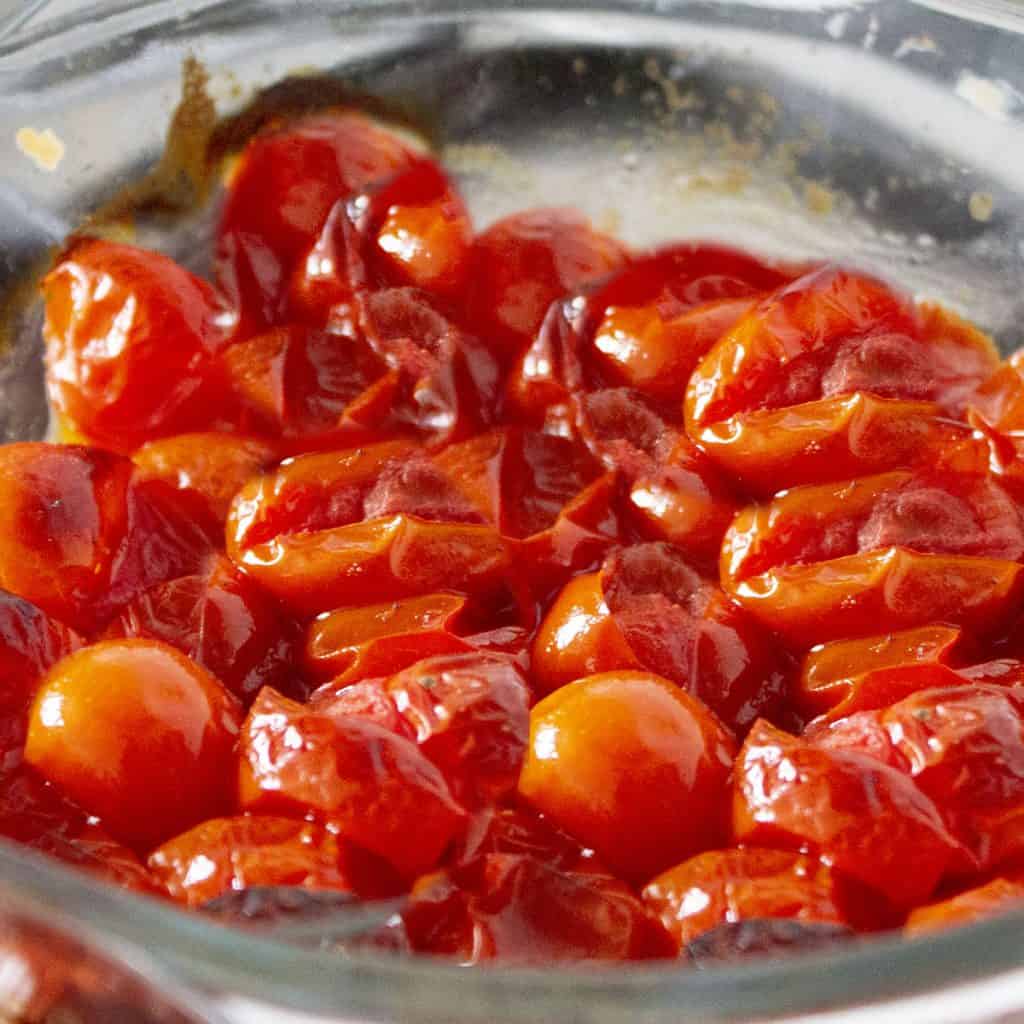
(381, 987)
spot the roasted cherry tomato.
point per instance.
(738, 885)
(524, 263)
(989, 900)
(130, 344)
(831, 377)
(369, 785)
(866, 819)
(226, 854)
(632, 766)
(964, 747)
(287, 182)
(138, 735)
(366, 525)
(896, 551)
(518, 909)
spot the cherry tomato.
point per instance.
(130, 345)
(831, 672)
(999, 402)
(226, 854)
(894, 551)
(138, 735)
(631, 766)
(869, 821)
(224, 622)
(62, 521)
(288, 181)
(370, 786)
(517, 909)
(738, 885)
(833, 376)
(524, 263)
(212, 466)
(985, 901)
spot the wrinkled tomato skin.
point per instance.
(831, 377)
(225, 623)
(978, 904)
(517, 909)
(138, 735)
(288, 180)
(632, 767)
(369, 785)
(470, 714)
(130, 344)
(867, 820)
(212, 466)
(524, 263)
(722, 886)
(578, 637)
(226, 854)
(830, 672)
(964, 747)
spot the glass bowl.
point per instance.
(886, 134)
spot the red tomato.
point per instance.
(867, 820)
(226, 854)
(288, 181)
(524, 263)
(370, 786)
(989, 900)
(138, 735)
(631, 766)
(130, 345)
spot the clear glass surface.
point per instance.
(887, 134)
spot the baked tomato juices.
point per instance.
(600, 605)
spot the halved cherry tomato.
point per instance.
(989, 900)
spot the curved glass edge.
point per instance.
(383, 988)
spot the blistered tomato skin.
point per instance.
(288, 180)
(631, 766)
(866, 819)
(138, 735)
(130, 345)
(524, 263)
(831, 377)
(366, 783)
(226, 854)
(837, 561)
(722, 886)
